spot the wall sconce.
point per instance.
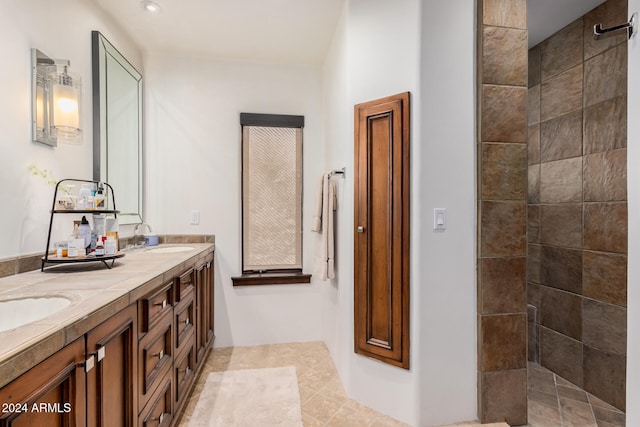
(55, 104)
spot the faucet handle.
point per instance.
(141, 224)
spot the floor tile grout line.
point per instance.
(560, 411)
(593, 414)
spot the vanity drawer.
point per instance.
(155, 352)
(184, 372)
(159, 412)
(185, 283)
(153, 306)
(184, 318)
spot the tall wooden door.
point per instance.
(381, 270)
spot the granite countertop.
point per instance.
(96, 293)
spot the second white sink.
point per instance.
(171, 249)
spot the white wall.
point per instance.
(193, 162)
(447, 176)
(377, 52)
(633, 191)
(61, 31)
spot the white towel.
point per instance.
(323, 223)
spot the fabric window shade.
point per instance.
(272, 198)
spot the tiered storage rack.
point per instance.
(47, 259)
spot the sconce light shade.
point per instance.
(56, 95)
(64, 105)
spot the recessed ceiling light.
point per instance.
(150, 6)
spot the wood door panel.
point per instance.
(381, 256)
(112, 397)
(52, 393)
(380, 228)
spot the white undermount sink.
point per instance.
(20, 311)
(171, 249)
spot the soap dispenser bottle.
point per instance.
(85, 232)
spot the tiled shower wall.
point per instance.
(502, 191)
(577, 209)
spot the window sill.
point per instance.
(277, 278)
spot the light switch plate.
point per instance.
(439, 219)
(195, 217)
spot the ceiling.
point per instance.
(289, 31)
(548, 16)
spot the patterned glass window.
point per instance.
(271, 193)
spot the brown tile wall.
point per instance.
(502, 209)
(577, 204)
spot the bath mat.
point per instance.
(249, 397)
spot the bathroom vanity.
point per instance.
(124, 352)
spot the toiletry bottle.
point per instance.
(110, 246)
(85, 232)
(85, 195)
(99, 246)
(99, 199)
(72, 249)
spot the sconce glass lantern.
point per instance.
(56, 95)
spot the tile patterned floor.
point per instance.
(553, 401)
(323, 400)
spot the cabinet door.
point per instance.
(204, 302)
(381, 235)
(159, 411)
(111, 393)
(184, 374)
(50, 394)
(155, 358)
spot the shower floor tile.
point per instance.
(555, 402)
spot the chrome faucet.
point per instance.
(135, 233)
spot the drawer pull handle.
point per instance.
(87, 364)
(160, 418)
(186, 321)
(186, 370)
(163, 303)
(160, 355)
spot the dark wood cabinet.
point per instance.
(185, 284)
(381, 235)
(51, 394)
(153, 306)
(137, 368)
(159, 411)
(204, 308)
(111, 385)
(155, 358)
(184, 373)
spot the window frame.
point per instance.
(276, 275)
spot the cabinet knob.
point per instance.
(163, 303)
(186, 321)
(160, 355)
(87, 364)
(360, 229)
